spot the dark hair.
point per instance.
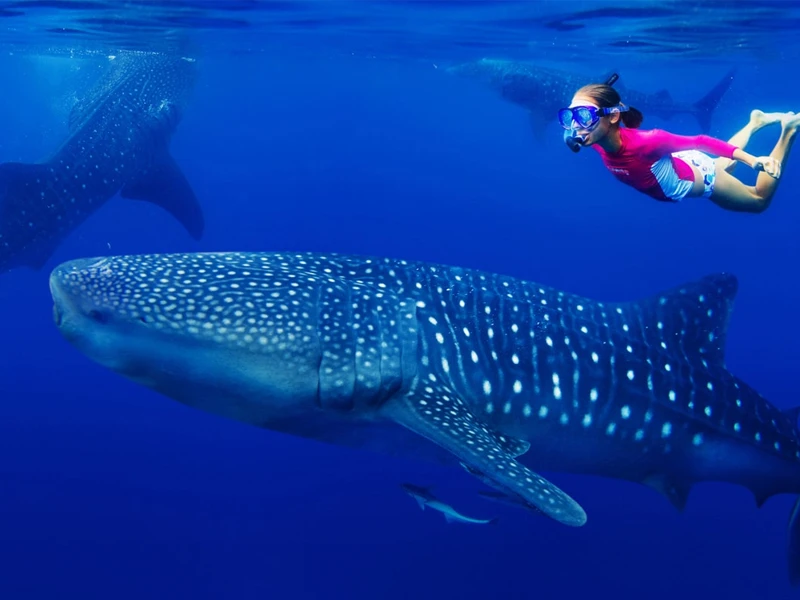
(606, 96)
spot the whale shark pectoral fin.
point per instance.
(483, 452)
(164, 184)
(505, 499)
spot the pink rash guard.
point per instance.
(638, 162)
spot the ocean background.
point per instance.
(334, 126)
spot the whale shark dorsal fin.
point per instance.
(165, 185)
(483, 452)
(699, 313)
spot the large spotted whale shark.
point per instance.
(118, 142)
(505, 377)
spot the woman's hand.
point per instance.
(760, 163)
(769, 165)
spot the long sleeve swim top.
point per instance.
(641, 151)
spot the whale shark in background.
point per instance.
(503, 376)
(118, 141)
(543, 91)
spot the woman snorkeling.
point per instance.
(671, 167)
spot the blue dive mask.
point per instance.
(586, 117)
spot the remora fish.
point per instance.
(424, 498)
(543, 91)
(118, 142)
(504, 376)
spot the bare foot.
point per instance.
(790, 122)
(758, 118)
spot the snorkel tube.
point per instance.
(572, 138)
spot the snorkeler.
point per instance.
(671, 167)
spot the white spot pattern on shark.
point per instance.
(331, 347)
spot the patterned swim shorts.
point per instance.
(703, 163)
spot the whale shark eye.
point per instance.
(98, 316)
(146, 319)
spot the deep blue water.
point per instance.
(108, 490)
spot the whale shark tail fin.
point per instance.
(165, 185)
(793, 550)
(793, 547)
(704, 108)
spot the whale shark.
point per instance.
(118, 141)
(543, 91)
(504, 377)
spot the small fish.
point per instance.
(424, 498)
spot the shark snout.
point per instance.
(76, 293)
